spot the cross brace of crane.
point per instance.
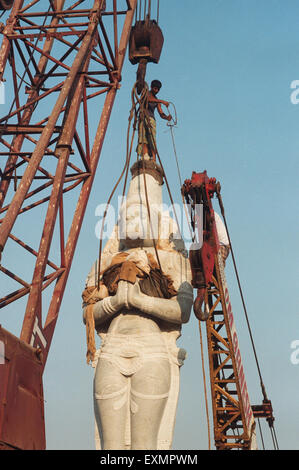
(233, 414)
(62, 59)
(234, 425)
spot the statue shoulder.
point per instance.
(177, 266)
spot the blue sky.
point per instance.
(228, 68)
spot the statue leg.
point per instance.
(149, 392)
(111, 396)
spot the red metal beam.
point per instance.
(87, 185)
(47, 134)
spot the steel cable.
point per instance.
(143, 111)
(273, 433)
(125, 170)
(271, 425)
(164, 174)
(200, 332)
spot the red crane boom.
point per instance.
(61, 59)
(233, 414)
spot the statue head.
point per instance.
(140, 216)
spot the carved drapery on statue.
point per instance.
(140, 336)
(125, 267)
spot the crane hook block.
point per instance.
(146, 42)
(6, 4)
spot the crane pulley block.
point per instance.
(6, 4)
(198, 192)
(145, 45)
(146, 42)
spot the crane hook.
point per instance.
(201, 314)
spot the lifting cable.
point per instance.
(164, 174)
(146, 10)
(261, 433)
(271, 424)
(133, 114)
(143, 111)
(171, 126)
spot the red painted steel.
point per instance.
(233, 414)
(199, 191)
(61, 59)
(6, 4)
(22, 423)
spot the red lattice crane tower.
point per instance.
(233, 414)
(62, 60)
(61, 57)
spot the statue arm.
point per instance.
(109, 306)
(175, 310)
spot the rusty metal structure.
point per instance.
(6, 4)
(146, 42)
(62, 57)
(233, 413)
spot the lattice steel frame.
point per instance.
(95, 70)
(234, 425)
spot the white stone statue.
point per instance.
(136, 381)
